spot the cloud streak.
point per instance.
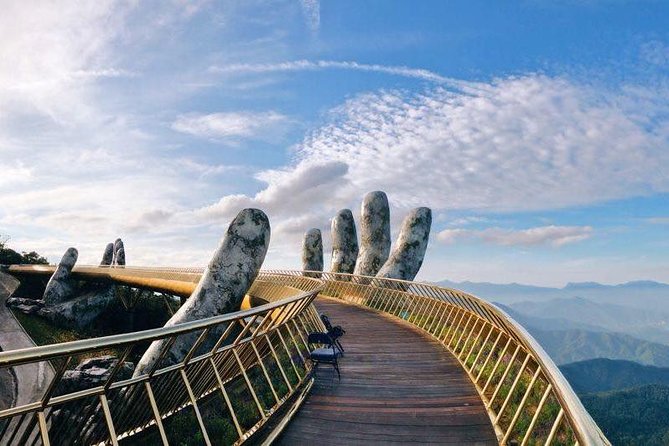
(308, 65)
(231, 125)
(555, 236)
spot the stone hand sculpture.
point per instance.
(312, 251)
(119, 253)
(108, 256)
(221, 289)
(409, 250)
(61, 286)
(374, 234)
(344, 243)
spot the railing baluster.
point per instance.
(489, 355)
(193, 401)
(108, 419)
(512, 389)
(227, 399)
(43, 429)
(504, 375)
(521, 405)
(555, 427)
(156, 413)
(464, 324)
(494, 369)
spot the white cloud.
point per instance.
(232, 125)
(103, 73)
(655, 52)
(312, 14)
(450, 236)
(43, 58)
(516, 144)
(289, 193)
(543, 235)
(308, 65)
(14, 174)
(525, 143)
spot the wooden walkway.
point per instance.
(398, 386)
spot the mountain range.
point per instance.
(588, 320)
(603, 375)
(642, 294)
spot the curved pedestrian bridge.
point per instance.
(397, 386)
(423, 364)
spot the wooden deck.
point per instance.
(398, 386)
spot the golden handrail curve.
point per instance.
(268, 340)
(527, 397)
(466, 325)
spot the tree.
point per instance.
(33, 258)
(10, 257)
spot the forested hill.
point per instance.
(601, 375)
(632, 417)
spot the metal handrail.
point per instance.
(526, 396)
(268, 340)
(468, 326)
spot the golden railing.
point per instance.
(260, 354)
(527, 398)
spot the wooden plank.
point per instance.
(397, 385)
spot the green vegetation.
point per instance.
(633, 417)
(601, 375)
(43, 332)
(183, 428)
(10, 257)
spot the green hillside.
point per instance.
(632, 417)
(565, 346)
(601, 375)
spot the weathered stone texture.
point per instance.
(312, 250)
(409, 250)
(374, 234)
(344, 243)
(81, 311)
(91, 373)
(108, 256)
(119, 253)
(228, 277)
(120, 257)
(61, 286)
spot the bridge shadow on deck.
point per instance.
(397, 386)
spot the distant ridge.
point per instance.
(568, 286)
(644, 294)
(601, 375)
(565, 346)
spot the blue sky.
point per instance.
(537, 131)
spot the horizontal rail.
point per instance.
(257, 355)
(528, 399)
(526, 396)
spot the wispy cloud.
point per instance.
(526, 143)
(655, 52)
(103, 73)
(308, 65)
(555, 236)
(658, 220)
(312, 14)
(231, 125)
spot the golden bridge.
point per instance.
(422, 364)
